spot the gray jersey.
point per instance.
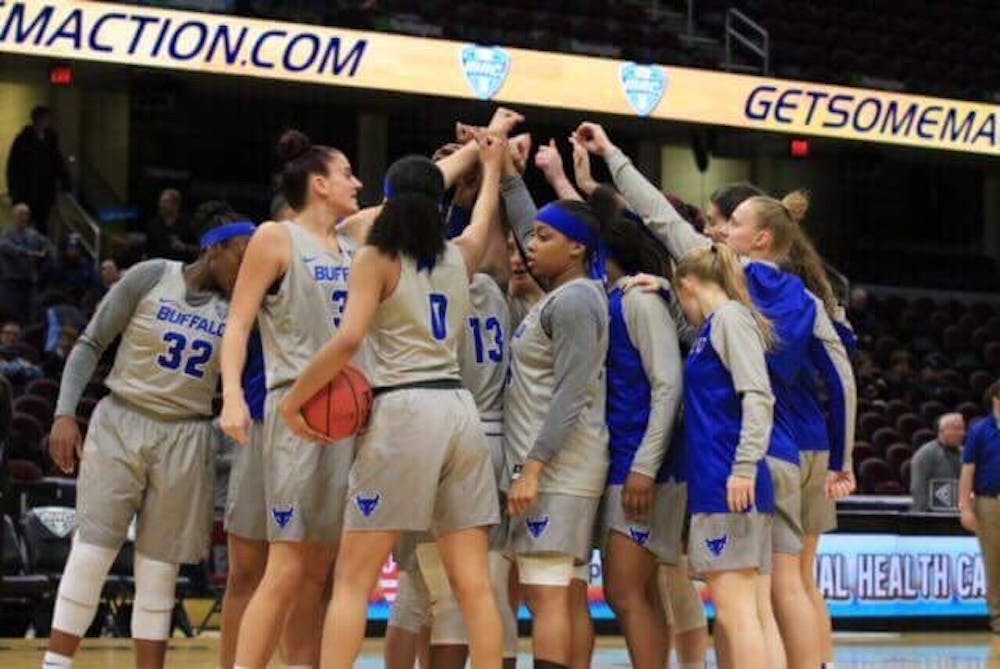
(305, 312)
(417, 329)
(483, 350)
(168, 358)
(577, 463)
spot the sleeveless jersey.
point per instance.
(305, 312)
(581, 465)
(417, 329)
(168, 358)
(483, 354)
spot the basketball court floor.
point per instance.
(854, 651)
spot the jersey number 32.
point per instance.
(178, 354)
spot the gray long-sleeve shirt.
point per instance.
(932, 461)
(109, 321)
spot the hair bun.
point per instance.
(797, 204)
(293, 143)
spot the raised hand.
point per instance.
(504, 121)
(593, 138)
(581, 167)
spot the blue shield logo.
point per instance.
(717, 546)
(367, 505)
(282, 517)
(486, 69)
(537, 525)
(644, 86)
(640, 535)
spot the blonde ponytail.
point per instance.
(718, 264)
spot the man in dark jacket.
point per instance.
(35, 167)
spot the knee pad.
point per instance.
(553, 570)
(685, 600)
(412, 609)
(80, 587)
(153, 606)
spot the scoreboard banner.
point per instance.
(860, 575)
(237, 46)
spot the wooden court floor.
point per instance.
(854, 651)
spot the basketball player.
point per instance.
(423, 463)
(246, 512)
(642, 510)
(728, 408)
(295, 289)
(149, 450)
(763, 233)
(554, 413)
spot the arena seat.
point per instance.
(44, 388)
(37, 407)
(871, 472)
(896, 455)
(18, 588)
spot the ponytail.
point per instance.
(802, 258)
(718, 264)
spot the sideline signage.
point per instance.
(237, 46)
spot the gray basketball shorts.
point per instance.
(305, 483)
(422, 464)
(160, 472)
(556, 525)
(246, 508)
(661, 532)
(819, 514)
(729, 542)
(787, 527)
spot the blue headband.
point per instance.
(569, 224)
(575, 228)
(224, 233)
(387, 190)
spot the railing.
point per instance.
(744, 31)
(74, 218)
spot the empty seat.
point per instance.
(921, 437)
(37, 407)
(872, 471)
(883, 438)
(46, 388)
(896, 455)
(907, 424)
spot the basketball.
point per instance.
(341, 409)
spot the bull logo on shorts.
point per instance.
(282, 517)
(644, 86)
(716, 546)
(367, 505)
(537, 525)
(640, 535)
(486, 69)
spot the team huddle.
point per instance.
(592, 373)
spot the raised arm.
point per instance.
(266, 260)
(475, 238)
(550, 163)
(110, 320)
(644, 198)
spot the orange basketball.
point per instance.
(341, 409)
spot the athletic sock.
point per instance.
(545, 664)
(56, 660)
(827, 665)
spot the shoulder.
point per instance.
(149, 268)
(732, 314)
(271, 231)
(578, 298)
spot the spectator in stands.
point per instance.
(110, 273)
(979, 497)
(938, 459)
(13, 365)
(860, 314)
(24, 254)
(8, 502)
(54, 360)
(75, 274)
(60, 310)
(168, 234)
(35, 167)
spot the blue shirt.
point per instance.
(982, 449)
(713, 416)
(783, 299)
(254, 385)
(628, 395)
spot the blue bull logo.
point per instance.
(537, 525)
(640, 535)
(367, 505)
(717, 546)
(282, 517)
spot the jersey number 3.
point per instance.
(439, 316)
(201, 353)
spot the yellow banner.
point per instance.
(222, 44)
